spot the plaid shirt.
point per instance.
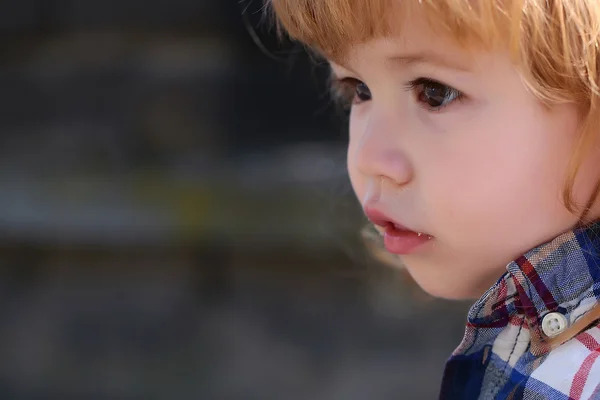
(505, 353)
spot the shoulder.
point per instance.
(574, 367)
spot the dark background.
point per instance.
(176, 219)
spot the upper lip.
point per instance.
(379, 218)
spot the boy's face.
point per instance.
(478, 164)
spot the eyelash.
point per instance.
(345, 91)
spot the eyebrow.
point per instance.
(403, 61)
(427, 58)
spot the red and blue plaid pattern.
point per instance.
(505, 354)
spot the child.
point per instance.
(473, 147)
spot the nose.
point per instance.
(378, 151)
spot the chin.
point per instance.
(445, 292)
(443, 287)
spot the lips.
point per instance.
(380, 219)
(398, 239)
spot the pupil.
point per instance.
(435, 95)
(362, 92)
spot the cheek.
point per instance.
(358, 182)
(500, 183)
(474, 192)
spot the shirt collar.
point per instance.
(562, 275)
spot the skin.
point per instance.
(483, 175)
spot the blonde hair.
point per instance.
(555, 44)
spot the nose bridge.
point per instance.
(381, 150)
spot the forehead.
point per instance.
(412, 42)
(374, 33)
(333, 27)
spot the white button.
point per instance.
(554, 323)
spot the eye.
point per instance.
(350, 91)
(361, 92)
(434, 95)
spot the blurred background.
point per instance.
(176, 221)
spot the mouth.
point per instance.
(398, 239)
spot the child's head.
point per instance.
(473, 121)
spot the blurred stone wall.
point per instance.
(177, 223)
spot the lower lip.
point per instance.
(403, 242)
